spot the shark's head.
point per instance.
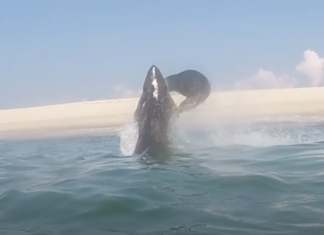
(155, 86)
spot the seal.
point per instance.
(154, 115)
(191, 84)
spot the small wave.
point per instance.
(253, 182)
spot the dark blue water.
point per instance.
(254, 179)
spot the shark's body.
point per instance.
(154, 114)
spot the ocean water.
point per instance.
(248, 179)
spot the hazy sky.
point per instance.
(57, 51)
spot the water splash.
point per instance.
(128, 137)
(251, 134)
(254, 134)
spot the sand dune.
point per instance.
(112, 114)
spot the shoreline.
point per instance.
(229, 106)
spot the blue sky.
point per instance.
(65, 51)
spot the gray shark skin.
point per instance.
(154, 115)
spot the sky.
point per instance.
(59, 51)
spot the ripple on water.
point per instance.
(84, 185)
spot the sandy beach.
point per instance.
(110, 115)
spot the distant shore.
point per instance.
(112, 114)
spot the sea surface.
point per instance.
(253, 178)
